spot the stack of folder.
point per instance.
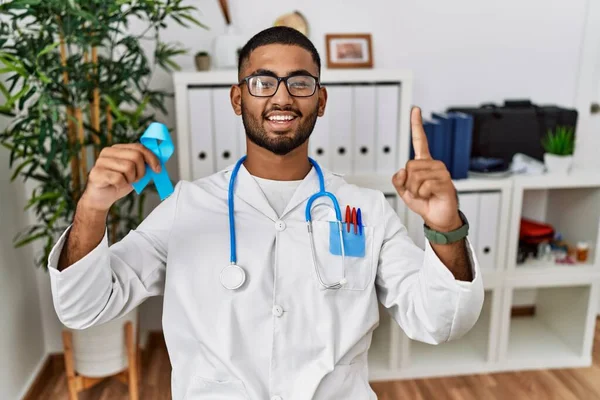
(450, 137)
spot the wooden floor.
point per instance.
(563, 384)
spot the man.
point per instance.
(279, 333)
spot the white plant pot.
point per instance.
(100, 351)
(558, 164)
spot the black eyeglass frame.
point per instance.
(279, 80)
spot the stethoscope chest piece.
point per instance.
(232, 277)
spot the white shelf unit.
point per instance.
(555, 337)
(561, 332)
(571, 204)
(191, 87)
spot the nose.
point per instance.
(282, 96)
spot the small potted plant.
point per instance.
(202, 59)
(559, 146)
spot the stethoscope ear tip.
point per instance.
(343, 281)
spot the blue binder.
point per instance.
(447, 140)
(461, 144)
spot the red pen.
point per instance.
(348, 218)
(354, 220)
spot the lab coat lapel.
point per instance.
(248, 191)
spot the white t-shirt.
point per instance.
(278, 193)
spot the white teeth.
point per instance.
(281, 118)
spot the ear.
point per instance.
(235, 95)
(322, 101)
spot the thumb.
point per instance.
(399, 180)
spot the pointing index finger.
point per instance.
(419, 139)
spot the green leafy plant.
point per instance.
(561, 142)
(75, 79)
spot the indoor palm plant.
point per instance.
(559, 146)
(75, 79)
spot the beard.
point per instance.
(283, 143)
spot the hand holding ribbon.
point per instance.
(164, 150)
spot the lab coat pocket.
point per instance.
(358, 260)
(204, 388)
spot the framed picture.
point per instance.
(349, 50)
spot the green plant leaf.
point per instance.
(29, 239)
(36, 96)
(42, 197)
(20, 168)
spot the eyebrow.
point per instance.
(262, 71)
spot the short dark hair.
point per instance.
(278, 35)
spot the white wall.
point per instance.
(462, 52)
(22, 347)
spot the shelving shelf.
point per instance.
(498, 342)
(559, 334)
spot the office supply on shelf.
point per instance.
(461, 142)
(388, 98)
(201, 137)
(487, 231)
(363, 111)
(446, 138)
(339, 107)
(517, 126)
(226, 126)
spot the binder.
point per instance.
(225, 129)
(487, 230)
(201, 133)
(437, 131)
(468, 203)
(363, 112)
(462, 139)
(318, 144)
(446, 135)
(388, 100)
(339, 105)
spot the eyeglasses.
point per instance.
(267, 85)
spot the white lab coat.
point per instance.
(282, 335)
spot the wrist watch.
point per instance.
(436, 237)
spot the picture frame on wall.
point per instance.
(349, 50)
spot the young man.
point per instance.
(295, 319)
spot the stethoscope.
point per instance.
(233, 276)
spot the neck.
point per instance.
(293, 166)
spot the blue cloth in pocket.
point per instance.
(354, 244)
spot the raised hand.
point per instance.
(425, 185)
(114, 172)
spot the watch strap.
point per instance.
(448, 237)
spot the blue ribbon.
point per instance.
(164, 150)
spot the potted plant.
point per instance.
(559, 147)
(202, 60)
(74, 80)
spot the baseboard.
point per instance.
(46, 368)
(522, 311)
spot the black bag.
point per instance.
(516, 127)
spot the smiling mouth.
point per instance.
(281, 121)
